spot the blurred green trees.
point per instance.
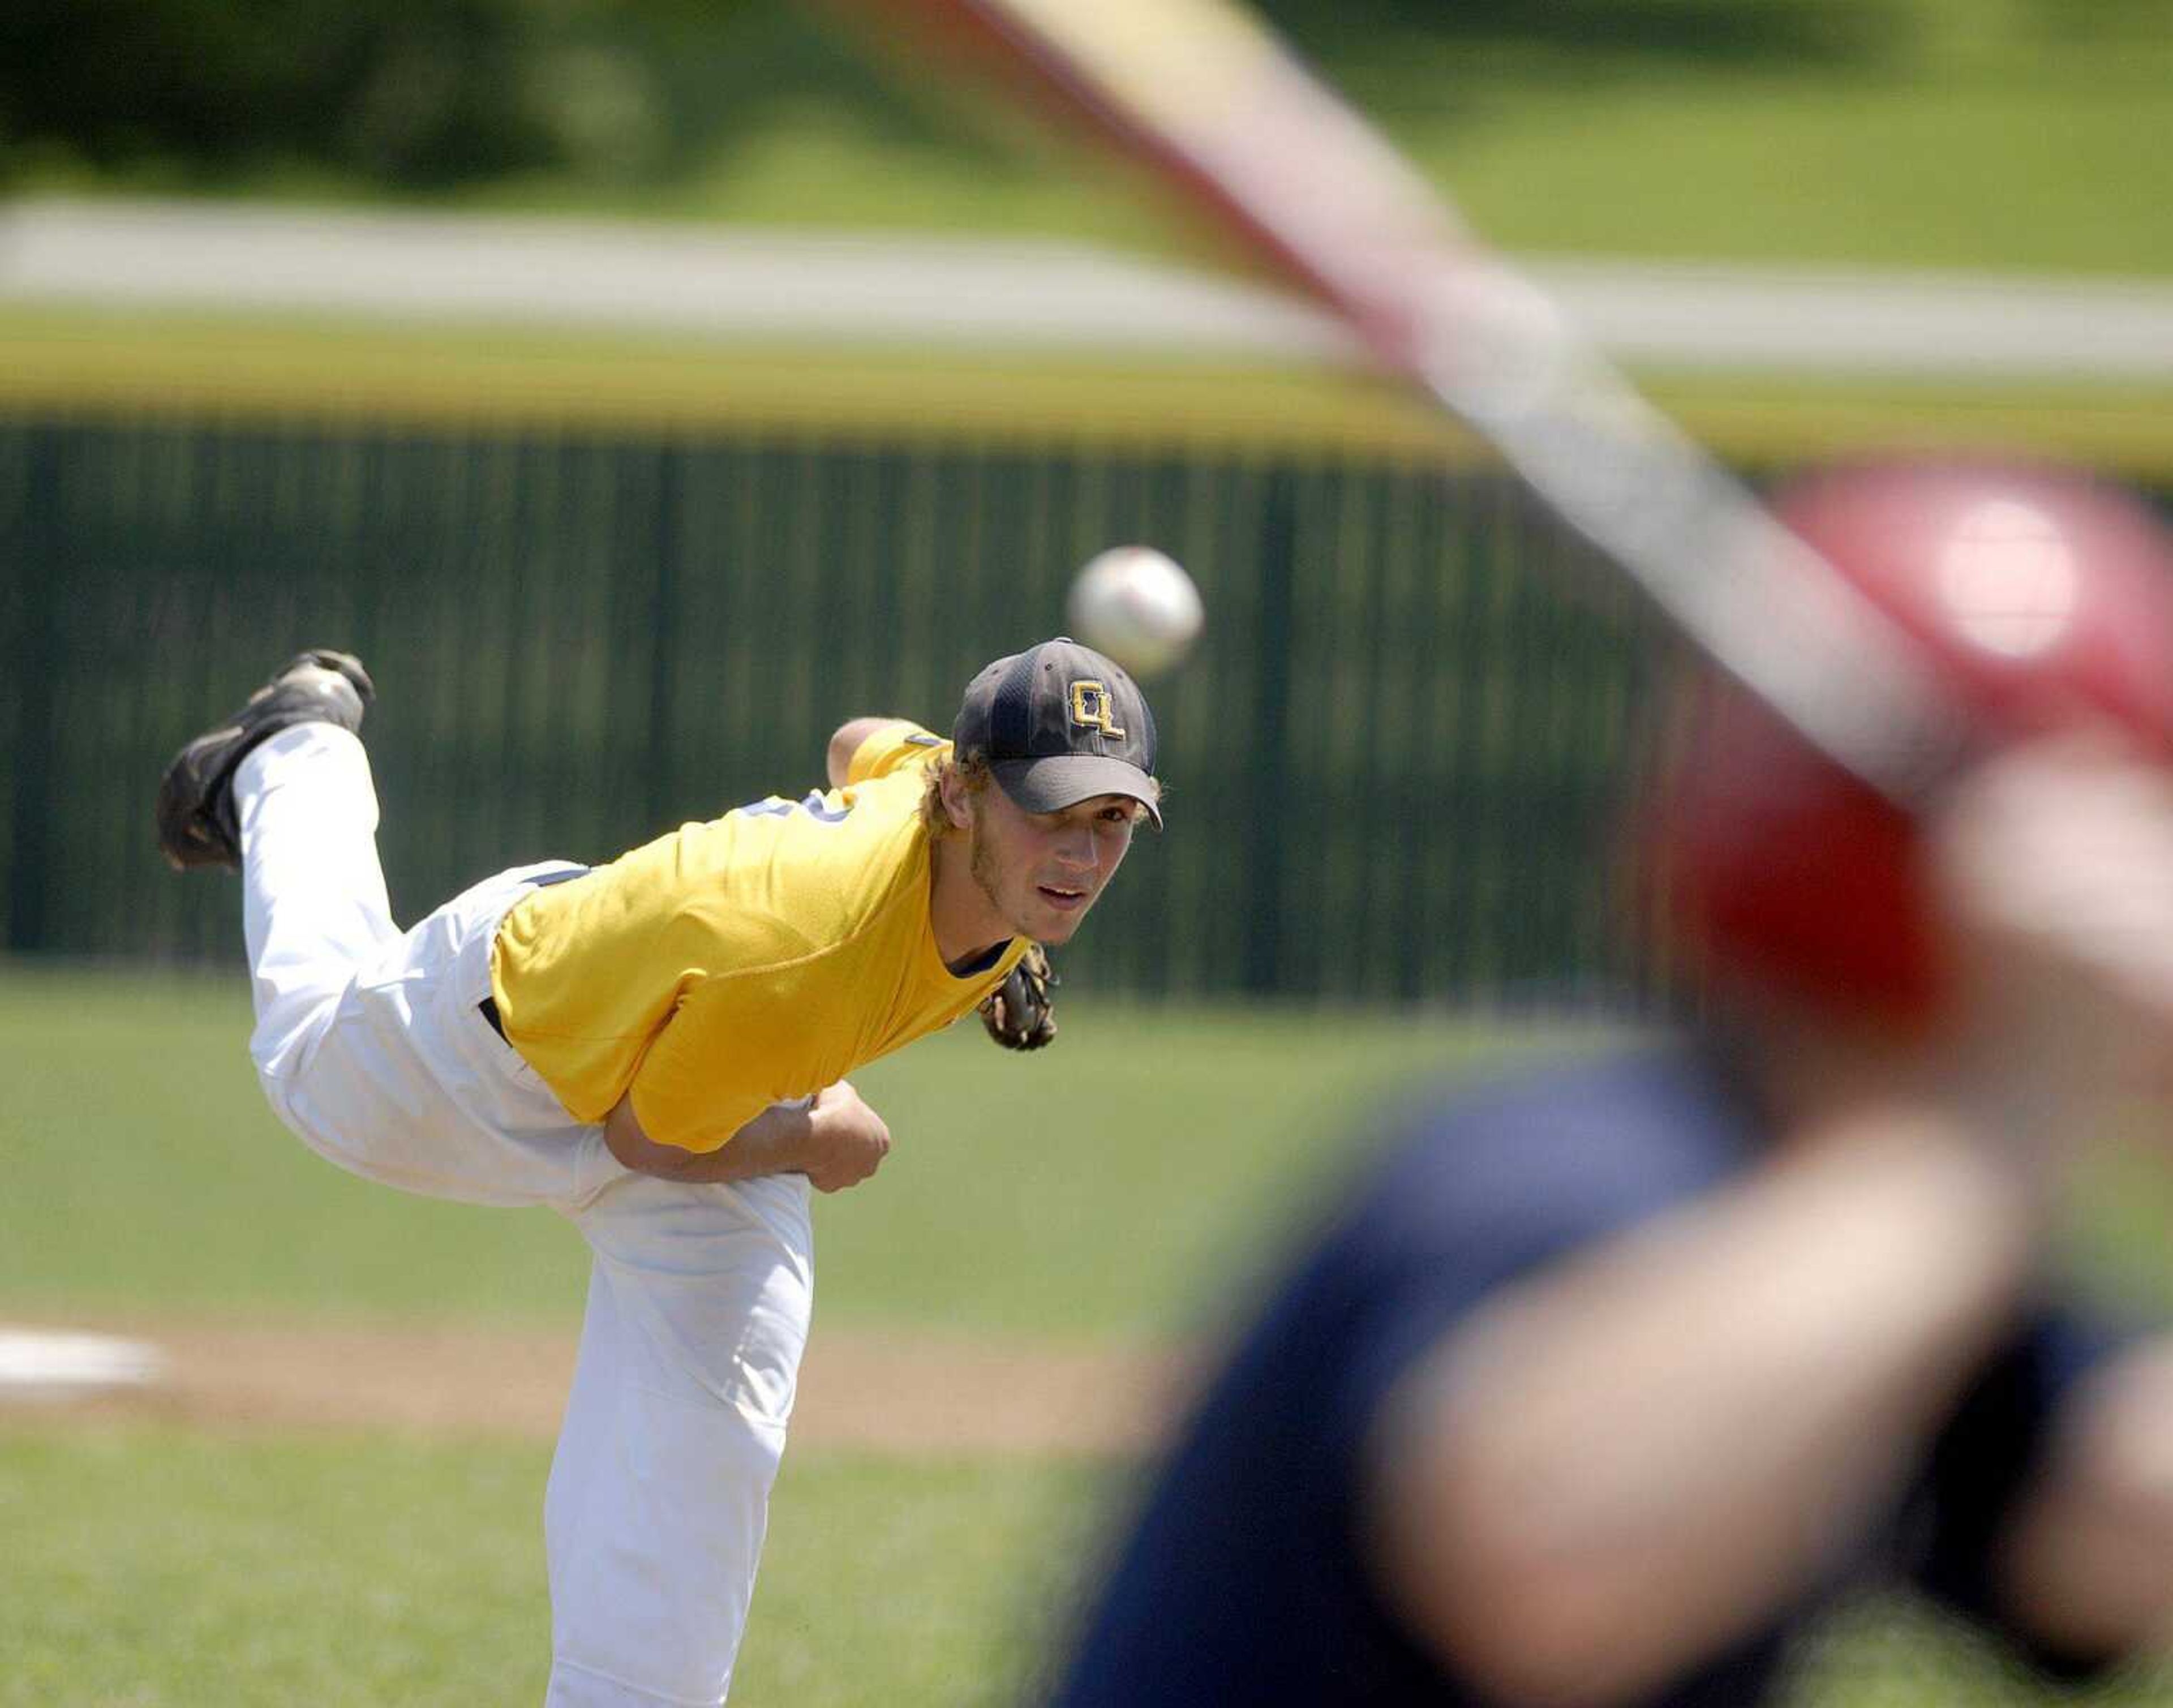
(364, 97)
(419, 94)
(386, 88)
(406, 93)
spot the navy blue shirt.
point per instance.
(1244, 1581)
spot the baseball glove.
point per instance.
(1017, 1012)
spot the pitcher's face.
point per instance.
(1042, 871)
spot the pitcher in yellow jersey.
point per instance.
(658, 1049)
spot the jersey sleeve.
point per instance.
(1981, 1467)
(896, 746)
(734, 1045)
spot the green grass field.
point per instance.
(172, 1184)
(1114, 1191)
(156, 1568)
(2025, 166)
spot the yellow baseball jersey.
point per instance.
(739, 963)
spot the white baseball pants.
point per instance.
(371, 1046)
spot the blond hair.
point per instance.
(973, 772)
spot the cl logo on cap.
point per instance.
(1090, 709)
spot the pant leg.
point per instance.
(314, 906)
(698, 1307)
(370, 1044)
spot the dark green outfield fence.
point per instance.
(1387, 763)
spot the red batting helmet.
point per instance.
(2042, 598)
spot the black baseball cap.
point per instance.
(1060, 723)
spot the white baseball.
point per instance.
(1137, 606)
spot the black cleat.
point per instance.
(198, 826)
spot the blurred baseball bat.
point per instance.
(1215, 106)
